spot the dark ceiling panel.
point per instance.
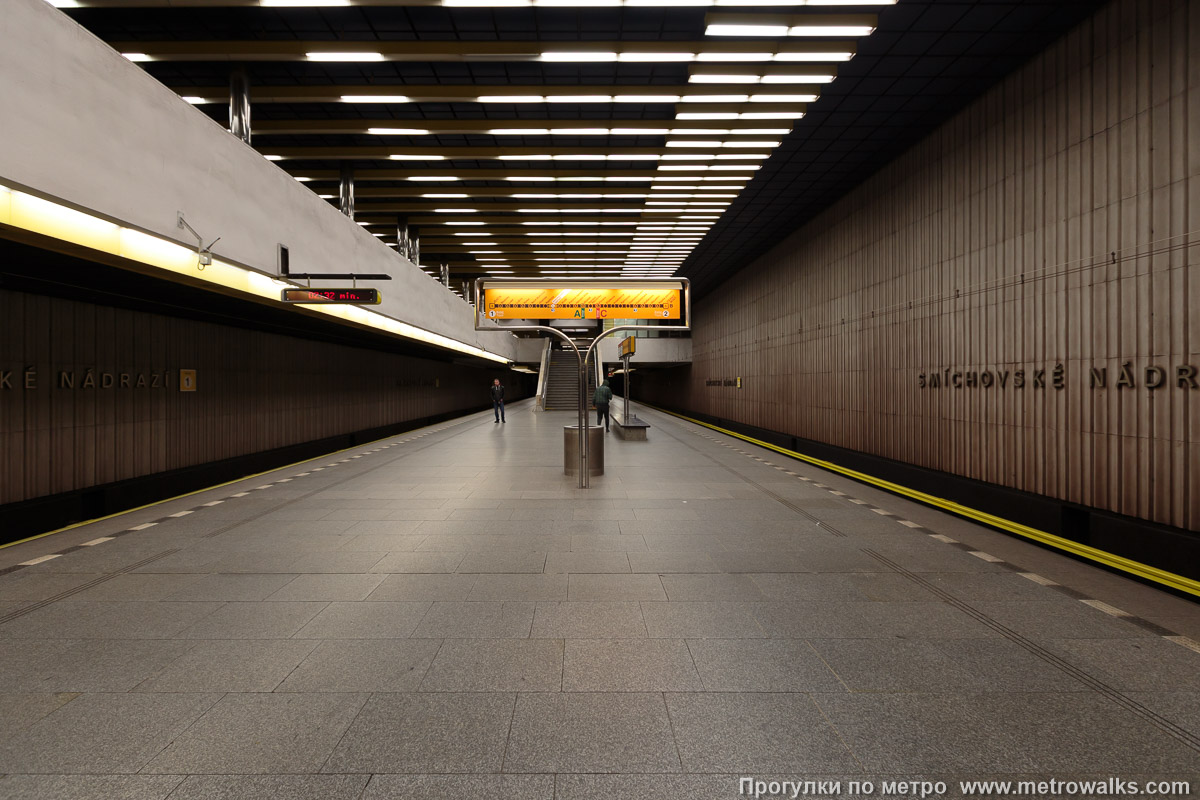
(926, 60)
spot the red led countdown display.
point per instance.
(358, 297)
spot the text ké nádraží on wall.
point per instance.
(33, 379)
(1153, 376)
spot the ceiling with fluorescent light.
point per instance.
(605, 137)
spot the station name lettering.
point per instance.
(31, 379)
(1182, 376)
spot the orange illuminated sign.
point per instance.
(602, 302)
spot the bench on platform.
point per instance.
(632, 429)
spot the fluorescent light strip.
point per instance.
(47, 218)
(364, 56)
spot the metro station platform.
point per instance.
(443, 614)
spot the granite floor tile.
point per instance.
(341, 561)
(271, 787)
(102, 733)
(1051, 619)
(617, 588)
(73, 619)
(363, 665)
(328, 588)
(476, 620)
(663, 562)
(587, 562)
(439, 787)
(425, 562)
(749, 733)
(88, 787)
(588, 620)
(762, 665)
(639, 787)
(90, 665)
(437, 732)
(135, 586)
(244, 665)
(423, 587)
(723, 620)
(250, 733)
(489, 665)
(265, 620)
(693, 588)
(21, 709)
(1046, 733)
(591, 732)
(503, 562)
(519, 587)
(381, 542)
(1134, 665)
(25, 586)
(365, 621)
(629, 665)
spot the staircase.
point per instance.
(562, 383)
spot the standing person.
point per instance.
(601, 399)
(498, 400)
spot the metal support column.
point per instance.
(625, 405)
(346, 191)
(414, 244)
(239, 105)
(445, 273)
(402, 237)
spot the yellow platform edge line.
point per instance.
(1145, 571)
(74, 525)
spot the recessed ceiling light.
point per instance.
(398, 131)
(646, 98)
(714, 98)
(783, 98)
(375, 98)
(137, 56)
(746, 30)
(195, 100)
(344, 56)
(674, 57)
(813, 56)
(433, 178)
(578, 56)
(830, 30)
(456, 210)
(273, 158)
(301, 3)
(510, 98)
(408, 157)
(734, 57)
(445, 196)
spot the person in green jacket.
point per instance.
(601, 399)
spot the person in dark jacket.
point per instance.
(498, 400)
(601, 399)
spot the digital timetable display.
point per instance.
(359, 297)
(601, 302)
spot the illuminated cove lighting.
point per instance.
(47, 218)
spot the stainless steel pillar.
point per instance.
(346, 192)
(402, 246)
(414, 244)
(239, 105)
(445, 272)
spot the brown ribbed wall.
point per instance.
(256, 391)
(1054, 221)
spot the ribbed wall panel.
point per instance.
(1054, 221)
(256, 391)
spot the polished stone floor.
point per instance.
(443, 614)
